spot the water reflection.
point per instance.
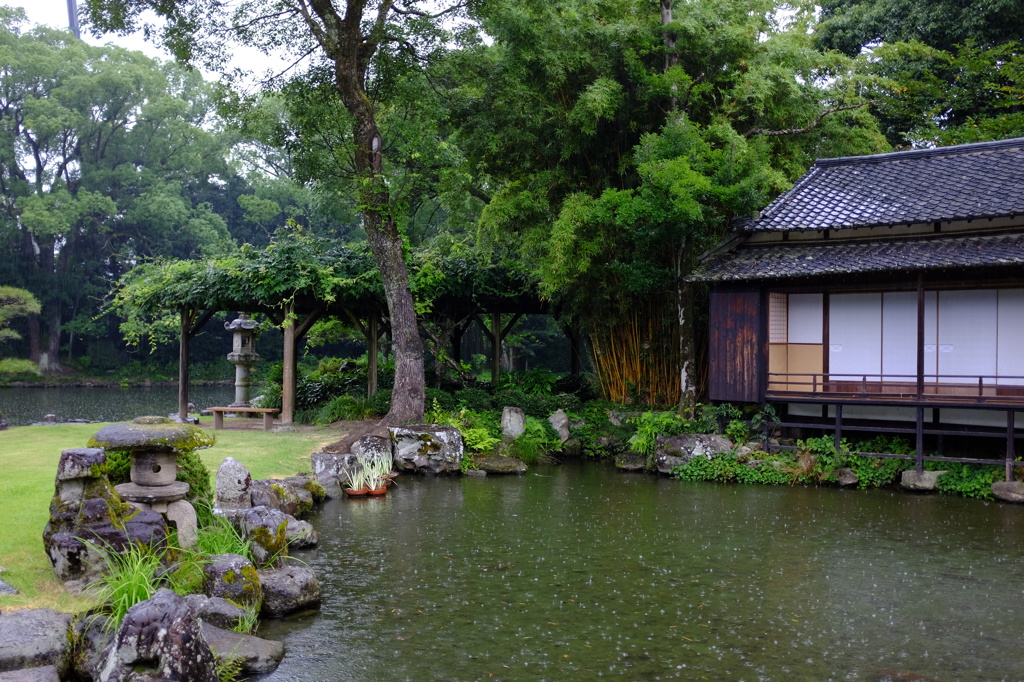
(23, 406)
(582, 573)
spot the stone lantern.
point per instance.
(154, 444)
(243, 355)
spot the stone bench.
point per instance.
(267, 412)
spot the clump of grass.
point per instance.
(221, 537)
(131, 576)
(248, 623)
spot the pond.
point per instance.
(21, 406)
(579, 572)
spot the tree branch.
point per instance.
(812, 126)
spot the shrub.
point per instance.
(533, 405)
(345, 407)
(475, 399)
(380, 402)
(536, 444)
(969, 480)
(441, 397)
(650, 425)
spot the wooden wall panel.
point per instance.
(736, 346)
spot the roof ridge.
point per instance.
(950, 150)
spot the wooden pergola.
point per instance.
(369, 316)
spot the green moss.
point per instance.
(252, 578)
(316, 490)
(230, 577)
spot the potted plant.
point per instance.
(377, 473)
(355, 482)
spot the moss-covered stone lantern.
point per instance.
(243, 355)
(154, 443)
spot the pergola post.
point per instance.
(189, 327)
(288, 362)
(183, 348)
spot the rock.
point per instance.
(182, 516)
(92, 644)
(476, 473)
(675, 451)
(370, 447)
(216, 610)
(513, 423)
(631, 461)
(81, 463)
(288, 589)
(427, 448)
(263, 494)
(31, 638)
(572, 448)
(300, 534)
(86, 507)
(146, 434)
(233, 485)
(926, 480)
(280, 494)
(160, 639)
(46, 673)
(845, 476)
(1008, 491)
(327, 467)
(7, 589)
(308, 483)
(560, 423)
(266, 530)
(259, 656)
(283, 429)
(4, 424)
(232, 577)
(500, 465)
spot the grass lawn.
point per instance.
(28, 462)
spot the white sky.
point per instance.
(55, 13)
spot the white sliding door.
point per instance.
(855, 336)
(967, 335)
(1010, 336)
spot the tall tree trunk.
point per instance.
(386, 245)
(687, 345)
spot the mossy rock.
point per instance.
(152, 433)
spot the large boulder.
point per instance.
(258, 656)
(45, 673)
(160, 639)
(500, 465)
(924, 481)
(371, 447)
(287, 589)
(33, 638)
(232, 577)
(86, 513)
(427, 448)
(560, 423)
(216, 611)
(673, 451)
(266, 530)
(233, 486)
(513, 423)
(331, 470)
(1008, 491)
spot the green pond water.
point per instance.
(21, 406)
(579, 572)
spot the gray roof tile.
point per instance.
(983, 180)
(788, 260)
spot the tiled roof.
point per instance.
(983, 180)
(789, 259)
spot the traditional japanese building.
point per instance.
(882, 293)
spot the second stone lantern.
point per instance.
(243, 355)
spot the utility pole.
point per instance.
(73, 18)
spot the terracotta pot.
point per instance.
(377, 491)
(356, 491)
